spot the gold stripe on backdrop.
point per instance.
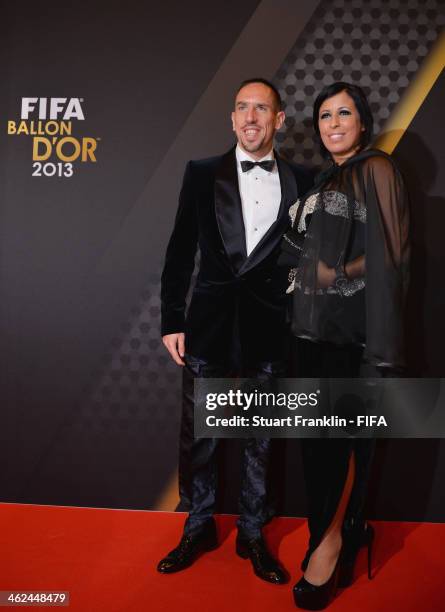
(413, 98)
(169, 497)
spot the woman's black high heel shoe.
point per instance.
(353, 541)
(311, 597)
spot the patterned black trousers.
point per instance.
(198, 467)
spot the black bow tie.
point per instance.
(267, 164)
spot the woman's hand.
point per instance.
(356, 268)
(325, 275)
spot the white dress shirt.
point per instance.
(260, 193)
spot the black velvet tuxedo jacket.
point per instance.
(237, 298)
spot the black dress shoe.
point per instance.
(264, 565)
(188, 550)
(312, 597)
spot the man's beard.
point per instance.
(253, 147)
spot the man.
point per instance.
(235, 207)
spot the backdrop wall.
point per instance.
(90, 402)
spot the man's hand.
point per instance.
(175, 345)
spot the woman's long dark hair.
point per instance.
(361, 104)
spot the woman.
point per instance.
(348, 252)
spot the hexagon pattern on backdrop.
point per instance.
(137, 382)
(378, 44)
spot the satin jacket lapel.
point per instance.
(228, 210)
(289, 195)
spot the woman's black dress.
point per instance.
(358, 212)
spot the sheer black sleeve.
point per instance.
(387, 260)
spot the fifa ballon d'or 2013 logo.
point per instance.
(49, 121)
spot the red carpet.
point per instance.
(106, 559)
